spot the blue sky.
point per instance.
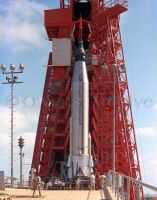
(23, 39)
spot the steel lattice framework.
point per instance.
(52, 139)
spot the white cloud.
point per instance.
(147, 131)
(4, 140)
(146, 137)
(155, 106)
(149, 166)
(24, 121)
(21, 24)
(21, 120)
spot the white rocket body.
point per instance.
(80, 161)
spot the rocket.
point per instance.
(80, 161)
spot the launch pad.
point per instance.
(56, 195)
(86, 122)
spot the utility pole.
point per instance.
(21, 145)
(12, 80)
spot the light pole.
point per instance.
(114, 125)
(12, 80)
(114, 120)
(21, 145)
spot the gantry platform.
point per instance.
(26, 194)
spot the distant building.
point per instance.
(2, 185)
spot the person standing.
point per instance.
(36, 184)
(92, 182)
(78, 182)
(102, 181)
(49, 185)
(32, 175)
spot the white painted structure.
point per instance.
(62, 51)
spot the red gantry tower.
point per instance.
(109, 102)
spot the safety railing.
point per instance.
(16, 183)
(120, 186)
(112, 3)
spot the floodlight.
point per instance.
(3, 68)
(12, 67)
(21, 67)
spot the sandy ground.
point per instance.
(26, 194)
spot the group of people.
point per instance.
(92, 180)
(36, 183)
(55, 184)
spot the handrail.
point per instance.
(112, 3)
(137, 181)
(121, 184)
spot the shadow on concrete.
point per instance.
(26, 196)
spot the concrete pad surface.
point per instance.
(26, 194)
